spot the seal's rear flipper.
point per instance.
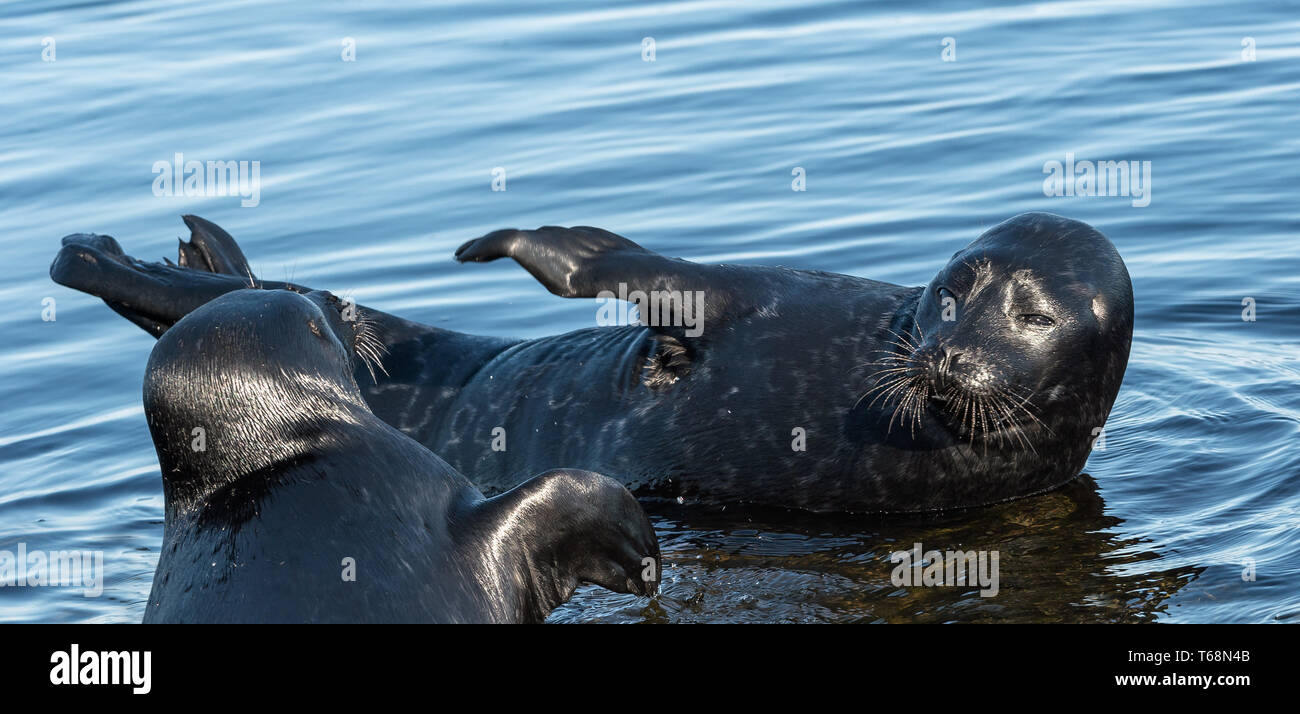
(587, 262)
(212, 249)
(155, 295)
(570, 526)
(152, 295)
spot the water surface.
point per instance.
(374, 170)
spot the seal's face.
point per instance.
(1018, 326)
(349, 326)
(304, 334)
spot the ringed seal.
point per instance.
(803, 389)
(287, 500)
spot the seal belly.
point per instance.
(571, 400)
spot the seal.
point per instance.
(287, 500)
(749, 384)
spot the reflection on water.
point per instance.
(1061, 559)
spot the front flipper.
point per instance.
(585, 262)
(560, 529)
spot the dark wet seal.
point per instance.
(791, 388)
(288, 500)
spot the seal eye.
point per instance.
(943, 292)
(1037, 320)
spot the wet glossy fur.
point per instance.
(784, 354)
(297, 479)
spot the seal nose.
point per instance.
(943, 368)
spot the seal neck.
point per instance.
(242, 430)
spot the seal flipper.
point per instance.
(212, 249)
(567, 527)
(152, 295)
(587, 262)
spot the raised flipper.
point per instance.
(212, 249)
(156, 295)
(586, 262)
(564, 527)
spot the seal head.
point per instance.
(1021, 340)
(285, 367)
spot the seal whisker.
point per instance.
(902, 409)
(1023, 406)
(898, 383)
(961, 408)
(905, 338)
(894, 370)
(880, 384)
(919, 397)
(369, 347)
(1016, 427)
(910, 381)
(984, 422)
(1016, 430)
(907, 348)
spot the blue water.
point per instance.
(372, 171)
